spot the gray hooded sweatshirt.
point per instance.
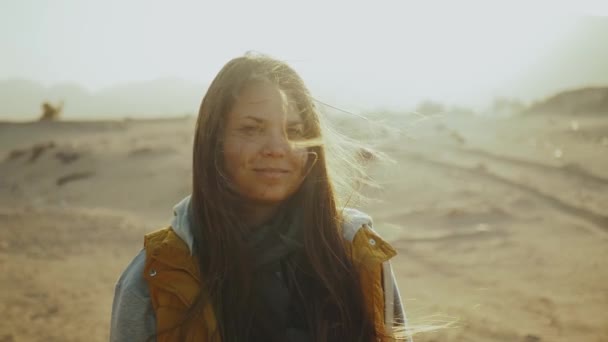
(132, 313)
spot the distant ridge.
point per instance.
(21, 99)
(584, 101)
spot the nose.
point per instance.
(276, 145)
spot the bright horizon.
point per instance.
(391, 54)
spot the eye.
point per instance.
(250, 129)
(295, 132)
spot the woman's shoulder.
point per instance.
(357, 229)
(164, 244)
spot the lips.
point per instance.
(271, 173)
(271, 169)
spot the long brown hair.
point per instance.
(335, 311)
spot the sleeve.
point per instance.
(132, 313)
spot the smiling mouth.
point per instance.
(271, 173)
(271, 170)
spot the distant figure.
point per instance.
(261, 249)
(50, 112)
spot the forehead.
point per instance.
(264, 100)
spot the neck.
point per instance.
(255, 214)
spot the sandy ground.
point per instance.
(501, 224)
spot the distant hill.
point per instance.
(577, 60)
(584, 101)
(21, 99)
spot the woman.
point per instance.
(261, 250)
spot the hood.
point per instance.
(353, 221)
(182, 224)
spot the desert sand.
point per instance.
(501, 224)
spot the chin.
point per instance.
(270, 197)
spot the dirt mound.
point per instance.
(574, 102)
(63, 154)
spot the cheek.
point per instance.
(301, 159)
(236, 156)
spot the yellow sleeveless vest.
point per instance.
(173, 277)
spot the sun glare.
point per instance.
(387, 53)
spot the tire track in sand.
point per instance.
(569, 170)
(598, 220)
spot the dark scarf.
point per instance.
(275, 247)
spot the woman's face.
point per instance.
(258, 157)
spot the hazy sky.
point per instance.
(385, 52)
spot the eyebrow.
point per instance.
(259, 120)
(258, 101)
